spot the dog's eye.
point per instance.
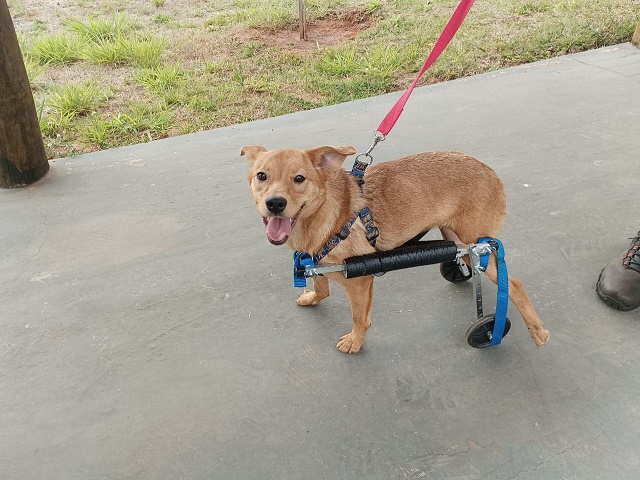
(261, 176)
(299, 179)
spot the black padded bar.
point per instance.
(424, 253)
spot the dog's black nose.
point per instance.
(276, 204)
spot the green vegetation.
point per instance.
(161, 68)
(17, 7)
(70, 99)
(34, 72)
(58, 49)
(97, 29)
(139, 122)
(140, 51)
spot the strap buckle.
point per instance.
(301, 261)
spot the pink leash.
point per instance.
(443, 40)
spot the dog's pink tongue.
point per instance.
(278, 228)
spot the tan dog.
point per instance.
(305, 198)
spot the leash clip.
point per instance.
(377, 138)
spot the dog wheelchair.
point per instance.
(486, 330)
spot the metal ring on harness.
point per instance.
(366, 154)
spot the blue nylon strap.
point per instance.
(502, 302)
(365, 214)
(358, 171)
(335, 240)
(369, 225)
(301, 259)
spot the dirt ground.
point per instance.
(34, 16)
(191, 43)
(50, 14)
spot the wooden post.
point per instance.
(636, 36)
(302, 8)
(23, 159)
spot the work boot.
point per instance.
(619, 282)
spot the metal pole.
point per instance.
(476, 279)
(302, 8)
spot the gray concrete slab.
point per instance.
(148, 330)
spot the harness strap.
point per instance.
(335, 240)
(365, 214)
(502, 302)
(303, 259)
(358, 171)
(369, 225)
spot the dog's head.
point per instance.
(288, 184)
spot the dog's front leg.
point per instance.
(320, 291)
(360, 293)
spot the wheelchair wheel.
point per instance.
(452, 273)
(479, 333)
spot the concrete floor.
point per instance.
(148, 330)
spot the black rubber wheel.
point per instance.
(478, 332)
(452, 273)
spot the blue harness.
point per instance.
(303, 259)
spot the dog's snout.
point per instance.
(276, 205)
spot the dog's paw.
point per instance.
(308, 297)
(540, 336)
(350, 343)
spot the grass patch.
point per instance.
(172, 69)
(55, 125)
(531, 8)
(34, 72)
(167, 82)
(140, 123)
(57, 49)
(138, 51)
(99, 29)
(98, 41)
(160, 80)
(105, 52)
(77, 99)
(39, 26)
(162, 18)
(145, 51)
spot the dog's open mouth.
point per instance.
(279, 228)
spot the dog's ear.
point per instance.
(328, 158)
(252, 152)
